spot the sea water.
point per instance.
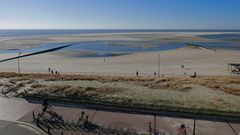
(102, 48)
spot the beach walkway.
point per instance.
(10, 111)
(19, 128)
(131, 122)
(19, 110)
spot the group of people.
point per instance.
(51, 71)
(155, 73)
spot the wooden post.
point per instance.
(37, 122)
(154, 130)
(48, 128)
(194, 125)
(33, 115)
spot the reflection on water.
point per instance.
(113, 48)
(225, 37)
(124, 47)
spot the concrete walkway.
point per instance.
(13, 109)
(19, 128)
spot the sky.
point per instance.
(119, 14)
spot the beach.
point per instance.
(106, 86)
(194, 59)
(109, 67)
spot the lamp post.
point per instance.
(159, 65)
(19, 53)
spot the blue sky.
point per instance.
(120, 14)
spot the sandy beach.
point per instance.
(194, 59)
(216, 90)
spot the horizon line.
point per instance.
(118, 29)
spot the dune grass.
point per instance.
(211, 93)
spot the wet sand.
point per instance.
(194, 60)
(28, 42)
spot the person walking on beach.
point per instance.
(52, 71)
(137, 73)
(49, 70)
(155, 74)
(150, 127)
